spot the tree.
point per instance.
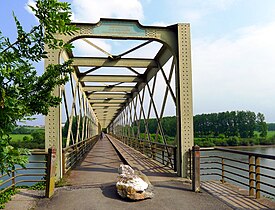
(22, 92)
(261, 125)
(271, 126)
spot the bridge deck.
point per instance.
(236, 197)
(93, 185)
(154, 170)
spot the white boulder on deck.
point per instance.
(131, 185)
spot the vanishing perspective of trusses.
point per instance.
(104, 97)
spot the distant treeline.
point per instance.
(229, 124)
(271, 126)
(26, 129)
(234, 123)
(169, 125)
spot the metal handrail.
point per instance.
(253, 171)
(73, 153)
(12, 181)
(155, 150)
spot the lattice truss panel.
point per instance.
(147, 112)
(79, 121)
(129, 83)
(128, 88)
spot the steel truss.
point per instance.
(127, 102)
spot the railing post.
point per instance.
(196, 169)
(154, 151)
(63, 162)
(223, 171)
(143, 147)
(251, 175)
(13, 178)
(50, 181)
(175, 158)
(76, 153)
(190, 163)
(257, 170)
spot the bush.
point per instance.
(220, 142)
(232, 141)
(26, 138)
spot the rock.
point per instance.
(125, 169)
(133, 185)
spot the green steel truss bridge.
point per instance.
(119, 101)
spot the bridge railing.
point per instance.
(252, 170)
(35, 171)
(71, 155)
(162, 153)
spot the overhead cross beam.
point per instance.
(110, 78)
(107, 62)
(110, 88)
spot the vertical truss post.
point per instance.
(184, 99)
(53, 127)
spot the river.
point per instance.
(26, 172)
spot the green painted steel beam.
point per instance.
(110, 88)
(107, 62)
(108, 96)
(106, 105)
(110, 78)
(114, 100)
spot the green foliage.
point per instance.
(34, 141)
(271, 126)
(6, 196)
(74, 129)
(22, 92)
(232, 141)
(169, 125)
(261, 125)
(18, 137)
(229, 124)
(38, 186)
(62, 182)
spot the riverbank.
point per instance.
(250, 146)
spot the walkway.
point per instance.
(93, 187)
(236, 197)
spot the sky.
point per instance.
(233, 44)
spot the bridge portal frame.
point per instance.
(176, 43)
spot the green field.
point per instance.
(19, 137)
(269, 133)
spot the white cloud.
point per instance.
(217, 4)
(236, 72)
(193, 15)
(31, 3)
(93, 10)
(196, 10)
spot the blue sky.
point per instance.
(233, 44)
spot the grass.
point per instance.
(269, 133)
(19, 137)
